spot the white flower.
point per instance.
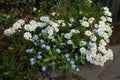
(82, 43)
(103, 18)
(71, 20)
(102, 49)
(60, 21)
(69, 42)
(9, 31)
(90, 20)
(109, 19)
(102, 42)
(21, 21)
(69, 24)
(63, 24)
(29, 27)
(106, 8)
(16, 26)
(85, 24)
(98, 60)
(32, 22)
(88, 33)
(107, 13)
(44, 19)
(82, 50)
(27, 36)
(109, 54)
(40, 24)
(93, 38)
(53, 13)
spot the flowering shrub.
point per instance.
(68, 40)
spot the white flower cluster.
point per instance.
(16, 26)
(97, 53)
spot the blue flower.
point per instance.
(87, 53)
(32, 62)
(72, 62)
(77, 69)
(66, 55)
(96, 30)
(73, 66)
(43, 68)
(44, 19)
(76, 57)
(52, 40)
(29, 50)
(91, 44)
(58, 50)
(32, 59)
(43, 46)
(35, 43)
(44, 30)
(91, 61)
(39, 53)
(39, 56)
(35, 37)
(47, 47)
(41, 41)
(62, 44)
(66, 36)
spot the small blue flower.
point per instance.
(29, 50)
(32, 62)
(39, 56)
(35, 37)
(87, 53)
(91, 44)
(43, 68)
(76, 57)
(73, 66)
(65, 36)
(35, 43)
(72, 62)
(62, 44)
(96, 30)
(66, 55)
(43, 46)
(58, 50)
(41, 41)
(91, 61)
(32, 59)
(77, 69)
(39, 53)
(53, 40)
(44, 19)
(47, 47)
(44, 30)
